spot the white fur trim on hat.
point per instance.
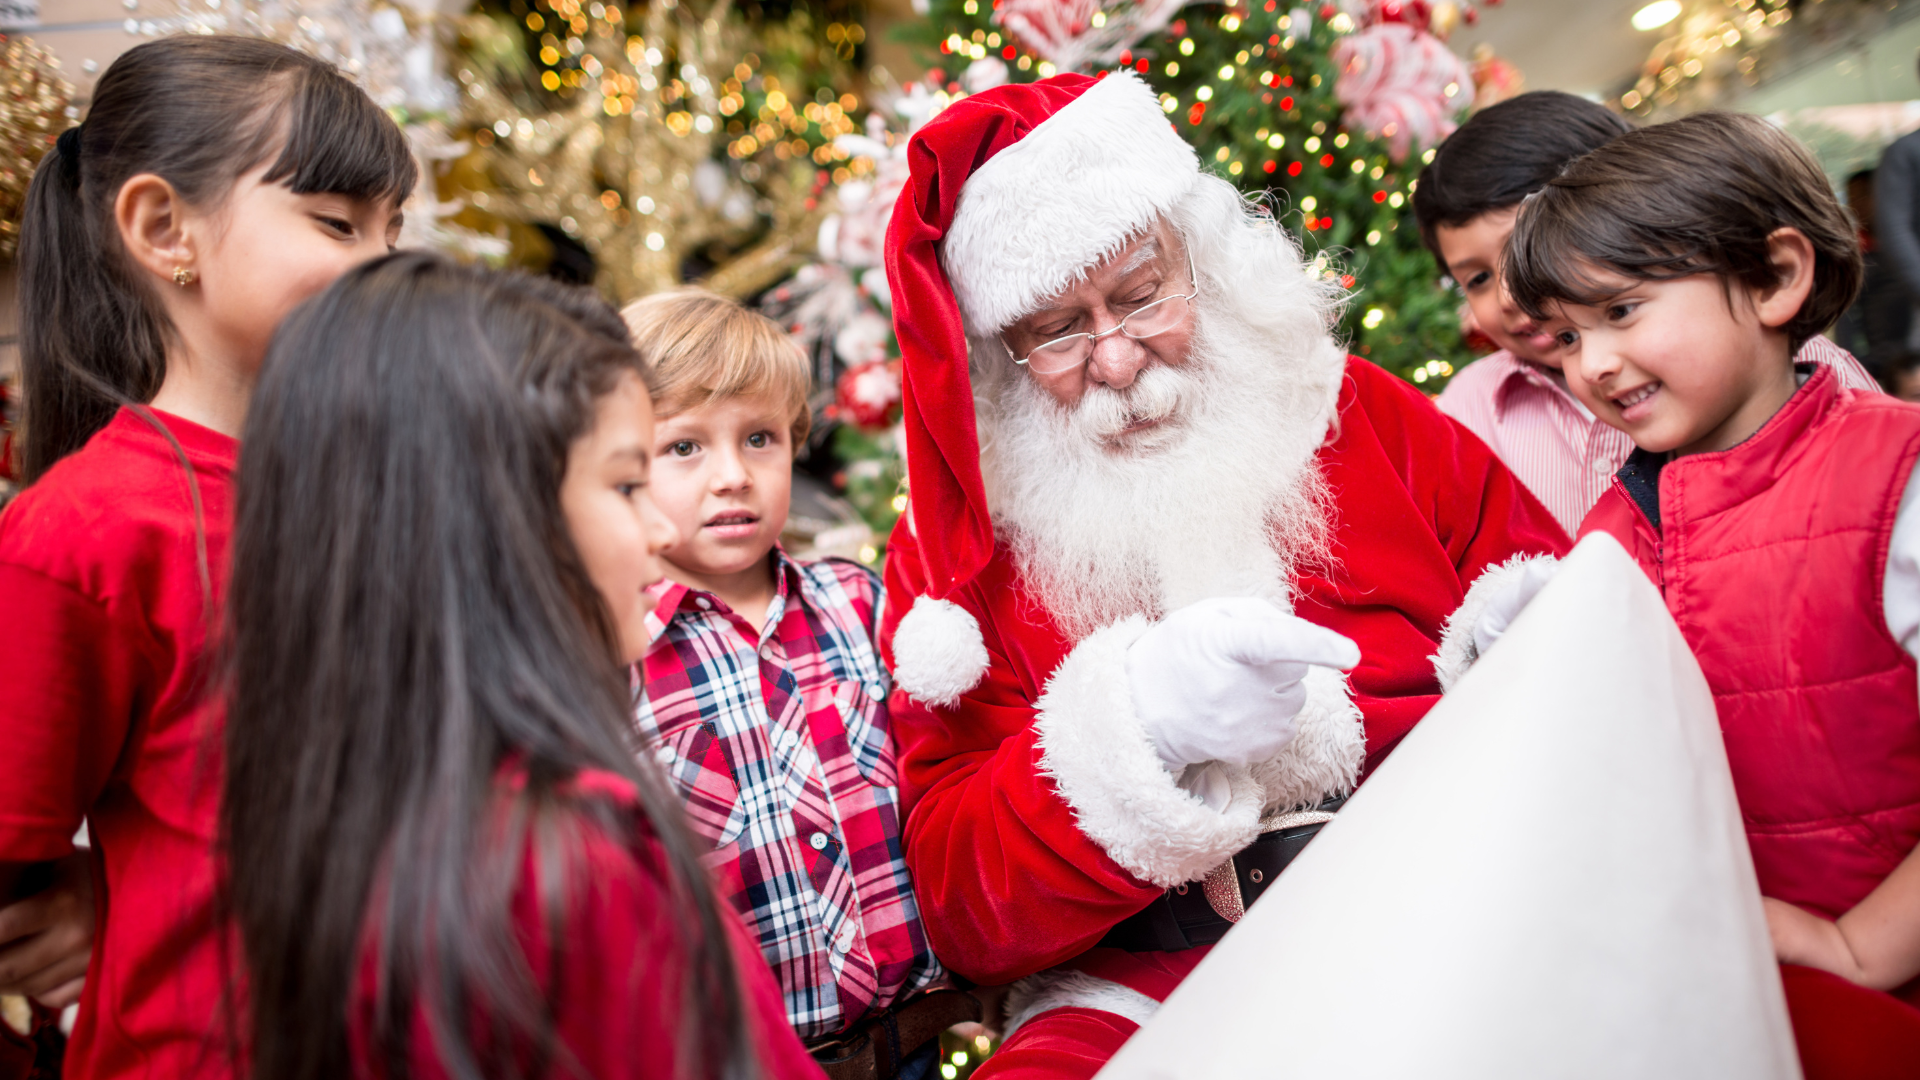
(1122, 797)
(1327, 750)
(1457, 652)
(938, 653)
(1041, 212)
(1065, 988)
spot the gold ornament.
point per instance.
(33, 111)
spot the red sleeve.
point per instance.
(1007, 880)
(1479, 510)
(1423, 508)
(623, 955)
(71, 681)
(614, 981)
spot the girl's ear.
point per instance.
(153, 223)
(1791, 255)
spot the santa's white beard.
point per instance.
(1222, 497)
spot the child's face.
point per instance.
(1472, 254)
(610, 513)
(259, 254)
(723, 473)
(1687, 365)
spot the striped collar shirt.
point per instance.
(1563, 454)
(778, 743)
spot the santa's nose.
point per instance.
(1116, 360)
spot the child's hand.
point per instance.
(1801, 937)
(46, 938)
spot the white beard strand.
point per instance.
(1223, 498)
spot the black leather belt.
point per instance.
(876, 1047)
(1201, 912)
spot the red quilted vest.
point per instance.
(1771, 556)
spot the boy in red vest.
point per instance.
(1679, 268)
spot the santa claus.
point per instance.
(1176, 570)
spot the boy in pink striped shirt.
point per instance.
(1516, 399)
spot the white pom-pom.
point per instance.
(938, 653)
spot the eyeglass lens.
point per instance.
(1068, 352)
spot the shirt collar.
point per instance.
(671, 598)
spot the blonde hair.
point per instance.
(705, 347)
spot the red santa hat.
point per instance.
(1015, 194)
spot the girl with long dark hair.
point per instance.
(215, 184)
(444, 860)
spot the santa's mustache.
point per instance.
(1158, 394)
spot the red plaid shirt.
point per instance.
(779, 744)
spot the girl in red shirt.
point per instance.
(215, 184)
(445, 861)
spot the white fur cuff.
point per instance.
(1327, 750)
(1457, 652)
(1064, 988)
(938, 652)
(1123, 798)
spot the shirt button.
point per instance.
(819, 841)
(843, 940)
(665, 755)
(1602, 465)
(704, 604)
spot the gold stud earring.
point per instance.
(184, 277)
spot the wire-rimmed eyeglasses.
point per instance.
(1069, 352)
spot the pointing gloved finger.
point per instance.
(1289, 639)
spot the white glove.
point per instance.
(1221, 680)
(1505, 606)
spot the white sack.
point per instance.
(1548, 878)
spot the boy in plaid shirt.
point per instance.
(765, 699)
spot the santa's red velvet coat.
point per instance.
(1008, 878)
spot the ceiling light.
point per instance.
(1655, 15)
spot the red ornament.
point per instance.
(1326, 223)
(1009, 52)
(1414, 13)
(1326, 161)
(1141, 65)
(1293, 168)
(1126, 57)
(1197, 113)
(868, 395)
(1270, 166)
(1286, 104)
(1379, 196)
(1346, 281)
(1327, 11)
(1286, 80)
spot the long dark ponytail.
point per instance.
(408, 613)
(199, 112)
